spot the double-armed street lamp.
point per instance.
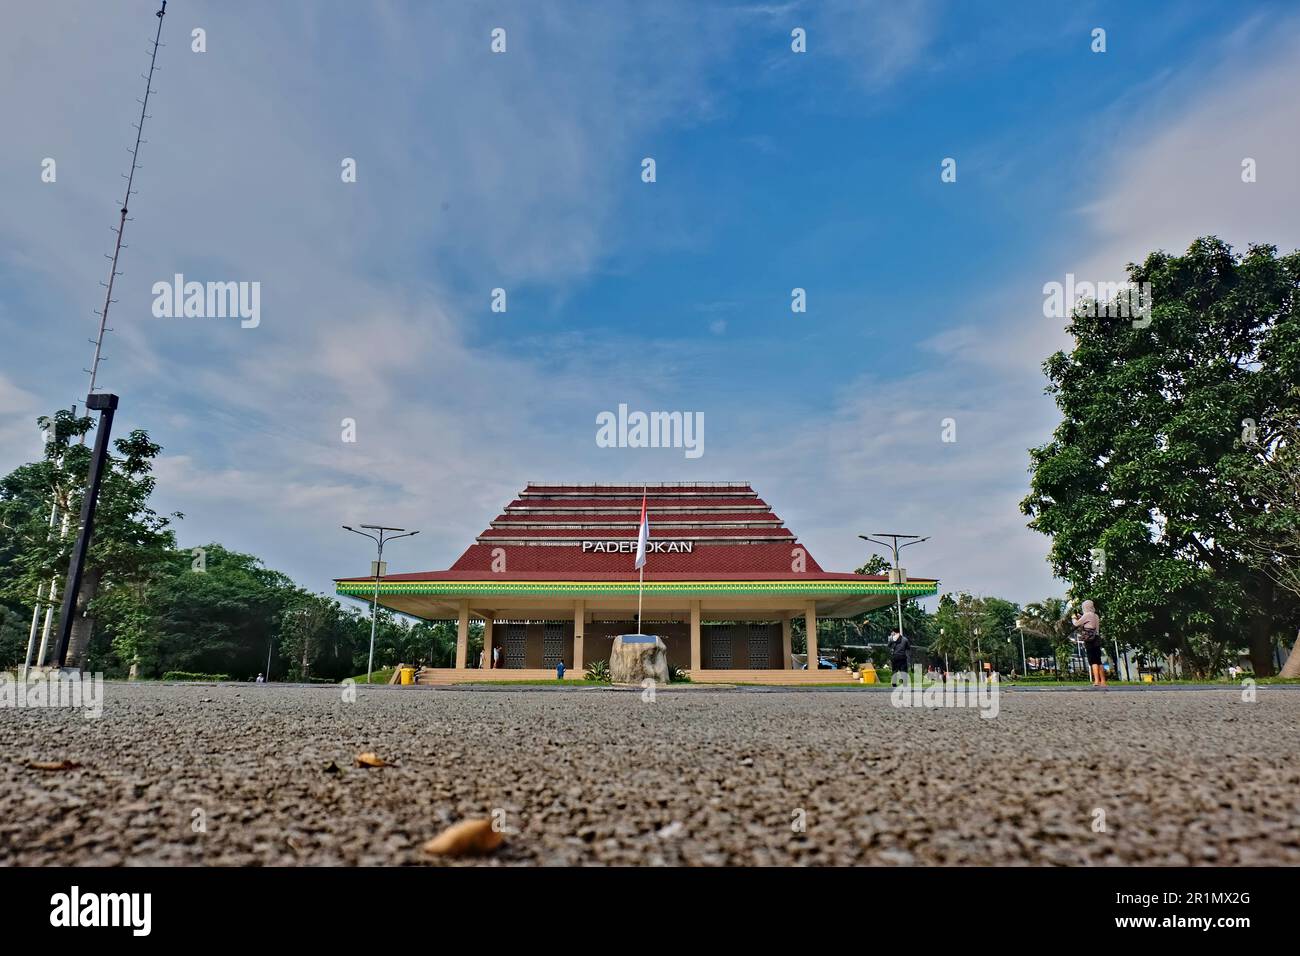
(378, 569)
(897, 575)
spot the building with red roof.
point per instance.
(552, 579)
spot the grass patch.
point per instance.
(191, 675)
(377, 677)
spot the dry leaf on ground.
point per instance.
(368, 759)
(467, 838)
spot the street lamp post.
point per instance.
(897, 575)
(380, 540)
(1024, 661)
(106, 405)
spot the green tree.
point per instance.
(1278, 484)
(436, 642)
(319, 639)
(130, 540)
(998, 633)
(218, 612)
(958, 620)
(1148, 487)
(968, 631)
(1049, 624)
(13, 636)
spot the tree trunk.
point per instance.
(1292, 666)
(1261, 634)
(83, 626)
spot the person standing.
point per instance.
(1089, 625)
(898, 648)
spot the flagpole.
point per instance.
(640, 587)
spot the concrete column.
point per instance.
(786, 648)
(579, 619)
(810, 628)
(462, 637)
(695, 636)
(488, 617)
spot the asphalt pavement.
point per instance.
(265, 774)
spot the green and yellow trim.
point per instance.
(580, 588)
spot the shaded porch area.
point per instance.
(723, 631)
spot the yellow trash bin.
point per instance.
(408, 676)
(1148, 678)
(868, 672)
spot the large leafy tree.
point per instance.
(1278, 483)
(220, 614)
(130, 541)
(13, 635)
(319, 639)
(1148, 487)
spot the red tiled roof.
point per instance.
(666, 488)
(613, 503)
(633, 517)
(722, 546)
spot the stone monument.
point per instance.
(634, 657)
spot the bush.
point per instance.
(598, 671)
(190, 675)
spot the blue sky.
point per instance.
(521, 171)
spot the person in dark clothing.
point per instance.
(898, 652)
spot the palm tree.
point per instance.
(1050, 620)
(948, 642)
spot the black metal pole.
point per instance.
(105, 404)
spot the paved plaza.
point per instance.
(266, 774)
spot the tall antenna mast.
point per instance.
(98, 341)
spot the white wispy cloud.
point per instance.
(477, 171)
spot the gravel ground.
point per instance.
(237, 775)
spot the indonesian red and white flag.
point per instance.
(642, 536)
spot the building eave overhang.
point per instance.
(365, 587)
